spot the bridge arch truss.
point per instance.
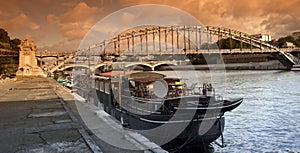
(169, 39)
(172, 40)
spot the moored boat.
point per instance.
(296, 67)
(165, 110)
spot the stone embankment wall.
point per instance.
(270, 65)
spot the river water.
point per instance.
(268, 119)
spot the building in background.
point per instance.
(288, 45)
(263, 37)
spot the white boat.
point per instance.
(296, 67)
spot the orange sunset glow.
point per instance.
(63, 24)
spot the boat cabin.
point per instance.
(148, 85)
(147, 100)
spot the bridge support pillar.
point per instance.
(241, 43)
(41, 62)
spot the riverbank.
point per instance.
(40, 115)
(34, 119)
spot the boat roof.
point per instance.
(145, 76)
(140, 76)
(116, 73)
(175, 78)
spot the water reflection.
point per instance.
(267, 120)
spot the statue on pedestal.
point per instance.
(27, 60)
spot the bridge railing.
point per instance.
(54, 54)
(183, 39)
(201, 51)
(290, 49)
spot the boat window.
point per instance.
(98, 84)
(107, 88)
(132, 83)
(101, 84)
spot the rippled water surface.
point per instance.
(268, 119)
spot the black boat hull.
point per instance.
(188, 134)
(208, 117)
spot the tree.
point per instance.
(209, 46)
(283, 40)
(225, 44)
(4, 36)
(7, 43)
(15, 43)
(297, 42)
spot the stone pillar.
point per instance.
(28, 61)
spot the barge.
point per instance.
(163, 109)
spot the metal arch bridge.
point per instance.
(68, 56)
(151, 40)
(7, 52)
(158, 40)
(42, 54)
(121, 65)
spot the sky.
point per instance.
(60, 25)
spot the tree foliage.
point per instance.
(231, 44)
(6, 42)
(225, 43)
(15, 44)
(281, 41)
(4, 36)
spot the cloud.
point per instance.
(29, 36)
(107, 28)
(276, 17)
(2, 14)
(76, 22)
(68, 28)
(76, 30)
(51, 22)
(127, 17)
(285, 26)
(62, 45)
(80, 12)
(19, 23)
